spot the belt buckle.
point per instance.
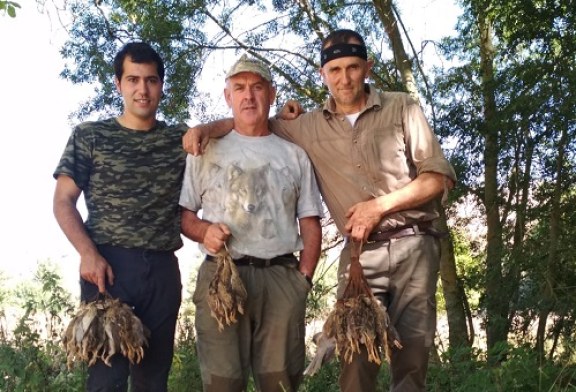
(378, 236)
(258, 262)
(369, 241)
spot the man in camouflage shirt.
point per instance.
(130, 170)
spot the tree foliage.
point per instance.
(191, 35)
(528, 138)
(9, 8)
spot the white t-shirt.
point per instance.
(352, 118)
(258, 186)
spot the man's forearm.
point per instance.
(196, 138)
(193, 227)
(217, 128)
(421, 190)
(71, 224)
(311, 233)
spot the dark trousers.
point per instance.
(149, 281)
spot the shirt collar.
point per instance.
(373, 102)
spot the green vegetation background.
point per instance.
(32, 359)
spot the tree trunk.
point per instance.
(521, 182)
(548, 297)
(496, 301)
(385, 10)
(456, 302)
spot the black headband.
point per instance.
(342, 50)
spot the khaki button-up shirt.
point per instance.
(389, 145)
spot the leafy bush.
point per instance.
(520, 371)
(31, 358)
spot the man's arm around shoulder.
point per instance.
(196, 138)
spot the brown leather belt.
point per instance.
(288, 258)
(404, 231)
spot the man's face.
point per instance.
(141, 89)
(249, 96)
(345, 77)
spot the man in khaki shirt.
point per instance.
(380, 170)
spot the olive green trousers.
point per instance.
(267, 341)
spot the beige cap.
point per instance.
(246, 64)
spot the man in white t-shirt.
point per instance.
(259, 197)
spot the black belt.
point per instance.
(404, 231)
(257, 262)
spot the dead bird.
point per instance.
(359, 319)
(226, 292)
(103, 328)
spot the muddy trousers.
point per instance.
(267, 341)
(404, 272)
(150, 282)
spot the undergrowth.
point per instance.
(32, 359)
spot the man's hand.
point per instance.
(363, 217)
(195, 141)
(290, 110)
(215, 237)
(96, 270)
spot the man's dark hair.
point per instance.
(342, 36)
(141, 53)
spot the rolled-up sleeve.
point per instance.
(423, 145)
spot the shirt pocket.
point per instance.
(386, 154)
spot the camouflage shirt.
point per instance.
(131, 182)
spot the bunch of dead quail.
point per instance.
(226, 292)
(358, 318)
(103, 328)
